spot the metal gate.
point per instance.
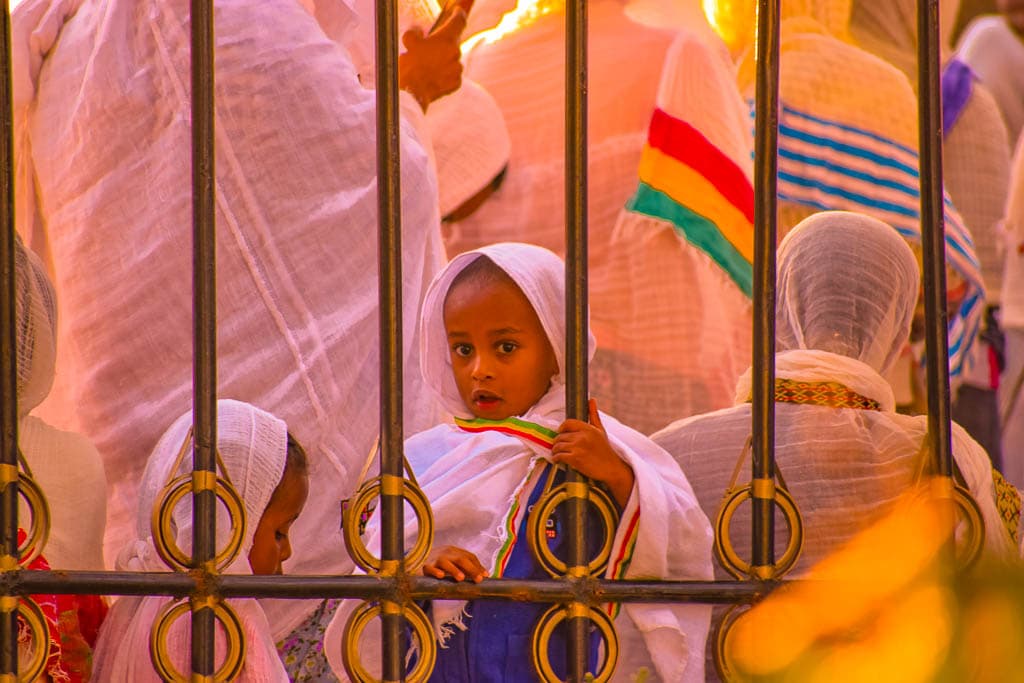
(391, 590)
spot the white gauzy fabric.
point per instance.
(1012, 319)
(470, 143)
(888, 28)
(77, 502)
(842, 466)
(996, 53)
(674, 327)
(525, 72)
(473, 479)
(35, 305)
(103, 117)
(253, 447)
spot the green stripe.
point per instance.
(697, 230)
(514, 422)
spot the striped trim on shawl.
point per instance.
(828, 165)
(690, 183)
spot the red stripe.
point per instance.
(629, 534)
(511, 432)
(686, 144)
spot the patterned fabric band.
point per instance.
(1008, 502)
(829, 394)
(512, 426)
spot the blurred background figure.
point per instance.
(1012, 316)
(993, 46)
(671, 306)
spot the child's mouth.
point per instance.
(485, 401)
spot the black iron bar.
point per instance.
(390, 296)
(372, 587)
(204, 293)
(8, 355)
(763, 391)
(933, 245)
(576, 351)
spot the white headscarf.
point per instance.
(253, 447)
(539, 274)
(846, 287)
(888, 28)
(36, 329)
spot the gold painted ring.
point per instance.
(970, 551)
(30, 612)
(422, 629)
(725, 550)
(720, 639)
(162, 523)
(536, 527)
(545, 628)
(414, 495)
(39, 532)
(161, 658)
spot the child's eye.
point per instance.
(507, 347)
(463, 350)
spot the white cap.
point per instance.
(471, 143)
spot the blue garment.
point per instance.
(497, 645)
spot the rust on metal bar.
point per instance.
(8, 347)
(204, 318)
(766, 132)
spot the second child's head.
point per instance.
(271, 543)
(493, 331)
(501, 357)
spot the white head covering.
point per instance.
(253, 446)
(36, 311)
(888, 28)
(847, 284)
(540, 275)
(471, 143)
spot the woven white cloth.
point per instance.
(103, 129)
(472, 481)
(675, 328)
(847, 287)
(996, 54)
(1012, 319)
(888, 28)
(253, 447)
(35, 305)
(525, 72)
(470, 143)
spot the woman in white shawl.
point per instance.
(104, 186)
(847, 286)
(253, 446)
(479, 475)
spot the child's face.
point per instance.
(271, 546)
(501, 356)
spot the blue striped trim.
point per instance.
(848, 128)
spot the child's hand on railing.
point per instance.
(450, 561)
(584, 446)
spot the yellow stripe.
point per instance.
(696, 193)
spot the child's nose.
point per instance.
(482, 367)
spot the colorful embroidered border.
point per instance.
(1008, 503)
(512, 426)
(688, 182)
(829, 394)
(625, 556)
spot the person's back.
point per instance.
(105, 113)
(847, 285)
(525, 72)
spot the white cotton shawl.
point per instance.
(102, 121)
(843, 467)
(253, 446)
(472, 480)
(35, 305)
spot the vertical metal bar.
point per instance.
(389, 213)
(576, 352)
(204, 294)
(8, 362)
(765, 176)
(933, 237)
